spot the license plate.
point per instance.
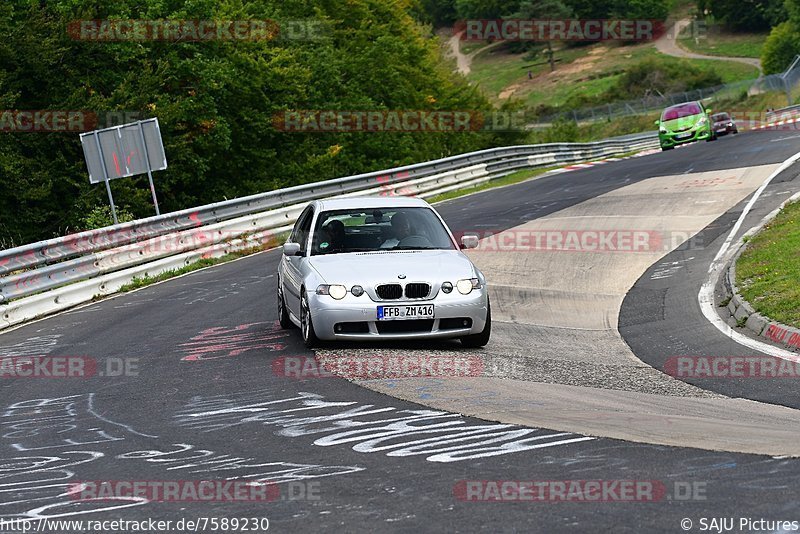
(683, 135)
(417, 311)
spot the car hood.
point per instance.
(682, 123)
(370, 268)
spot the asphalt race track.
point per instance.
(203, 397)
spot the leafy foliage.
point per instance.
(101, 217)
(215, 102)
(651, 76)
(746, 15)
(583, 9)
(780, 48)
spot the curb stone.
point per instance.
(738, 309)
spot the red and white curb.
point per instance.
(777, 124)
(590, 164)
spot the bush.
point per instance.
(100, 217)
(780, 47)
(652, 77)
(747, 15)
(562, 131)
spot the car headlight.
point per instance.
(662, 130)
(465, 287)
(334, 290)
(702, 121)
(730, 124)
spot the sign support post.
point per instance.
(149, 171)
(105, 179)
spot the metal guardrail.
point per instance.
(63, 248)
(782, 113)
(32, 272)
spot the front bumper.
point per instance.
(327, 313)
(671, 139)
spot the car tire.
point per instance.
(665, 148)
(306, 326)
(481, 339)
(736, 130)
(712, 137)
(283, 313)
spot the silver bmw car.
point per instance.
(373, 268)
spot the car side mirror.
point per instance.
(291, 249)
(709, 111)
(469, 241)
(656, 122)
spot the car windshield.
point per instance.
(719, 117)
(341, 231)
(681, 110)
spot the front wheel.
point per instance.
(665, 148)
(283, 313)
(481, 339)
(306, 326)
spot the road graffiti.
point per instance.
(224, 342)
(33, 346)
(439, 436)
(44, 484)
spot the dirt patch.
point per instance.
(509, 91)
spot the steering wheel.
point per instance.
(415, 241)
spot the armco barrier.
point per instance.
(59, 273)
(782, 113)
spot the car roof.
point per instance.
(683, 104)
(366, 202)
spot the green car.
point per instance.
(684, 123)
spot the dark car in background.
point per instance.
(723, 124)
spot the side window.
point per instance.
(302, 228)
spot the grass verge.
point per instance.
(715, 43)
(583, 72)
(513, 178)
(142, 281)
(768, 271)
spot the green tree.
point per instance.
(215, 101)
(484, 9)
(747, 15)
(780, 47)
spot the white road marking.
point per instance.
(706, 296)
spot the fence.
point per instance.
(785, 82)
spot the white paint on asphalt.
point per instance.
(706, 296)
